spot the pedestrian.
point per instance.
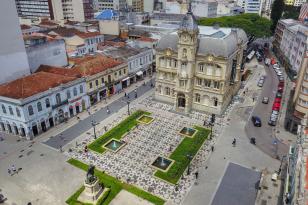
(234, 142)
(86, 149)
(60, 148)
(196, 174)
(13, 168)
(9, 171)
(204, 123)
(244, 92)
(253, 99)
(76, 144)
(135, 95)
(212, 148)
(105, 128)
(125, 94)
(108, 111)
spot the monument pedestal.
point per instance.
(92, 192)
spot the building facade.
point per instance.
(199, 68)
(111, 4)
(45, 52)
(253, 6)
(30, 107)
(11, 44)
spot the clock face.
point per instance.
(210, 58)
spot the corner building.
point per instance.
(199, 67)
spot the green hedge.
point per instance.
(115, 187)
(189, 146)
(117, 132)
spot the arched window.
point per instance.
(17, 112)
(81, 87)
(39, 106)
(75, 91)
(184, 64)
(209, 69)
(162, 62)
(197, 98)
(47, 102)
(184, 54)
(159, 89)
(58, 98)
(11, 110)
(68, 94)
(30, 110)
(175, 63)
(206, 99)
(215, 102)
(218, 71)
(3, 109)
(167, 91)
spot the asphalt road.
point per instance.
(84, 125)
(265, 137)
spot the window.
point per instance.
(81, 88)
(30, 110)
(3, 109)
(197, 98)
(124, 71)
(207, 83)
(218, 72)
(96, 82)
(201, 67)
(90, 85)
(47, 102)
(11, 110)
(75, 91)
(215, 100)
(68, 94)
(120, 72)
(39, 106)
(18, 112)
(58, 98)
(175, 63)
(184, 64)
(168, 62)
(216, 84)
(167, 90)
(184, 54)
(199, 81)
(209, 70)
(182, 83)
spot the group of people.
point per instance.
(12, 170)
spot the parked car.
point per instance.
(267, 61)
(276, 106)
(260, 83)
(256, 121)
(281, 84)
(265, 100)
(278, 95)
(272, 123)
(279, 73)
(280, 89)
(277, 100)
(281, 78)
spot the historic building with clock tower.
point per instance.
(199, 67)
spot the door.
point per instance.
(51, 124)
(181, 100)
(71, 111)
(35, 130)
(77, 109)
(43, 125)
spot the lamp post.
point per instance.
(128, 102)
(189, 157)
(94, 124)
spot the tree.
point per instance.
(276, 13)
(252, 24)
(291, 12)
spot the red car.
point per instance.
(276, 106)
(281, 84)
(277, 100)
(273, 61)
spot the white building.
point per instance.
(30, 107)
(201, 8)
(111, 4)
(13, 57)
(253, 6)
(43, 52)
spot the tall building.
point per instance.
(13, 57)
(74, 10)
(199, 67)
(111, 4)
(40, 8)
(136, 5)
(253, 6)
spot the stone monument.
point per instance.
(93, 190)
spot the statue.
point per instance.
(90, 175)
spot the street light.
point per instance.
(189, 157)
(128, 102)
(93, 123)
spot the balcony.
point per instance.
(64, 102)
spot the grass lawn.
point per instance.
(117, 132)
(189, 146)
(115, 187)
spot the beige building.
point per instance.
(199, 68)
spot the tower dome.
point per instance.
(189, 22)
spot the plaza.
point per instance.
(144, 143)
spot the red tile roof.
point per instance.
(146, 39)
(33, 84)
(91, 65)
(88, 34)
(59, 71)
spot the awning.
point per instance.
(139, 73)
(125, 79)
(77, 104)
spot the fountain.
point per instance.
(187, 131)
(145, 119)
(114, 145)
(162, 163)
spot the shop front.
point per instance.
(125, 82)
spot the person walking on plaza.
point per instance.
(212, 148)
(13, 168)
(196, 174)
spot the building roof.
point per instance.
(33, 84)
(189, 22)
(107, 14)
(121, 52)
(91, 65)
(59, 71)
(65, 32)
(88, 34)
(146, 39)
(213, 41)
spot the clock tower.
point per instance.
(187, 49)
